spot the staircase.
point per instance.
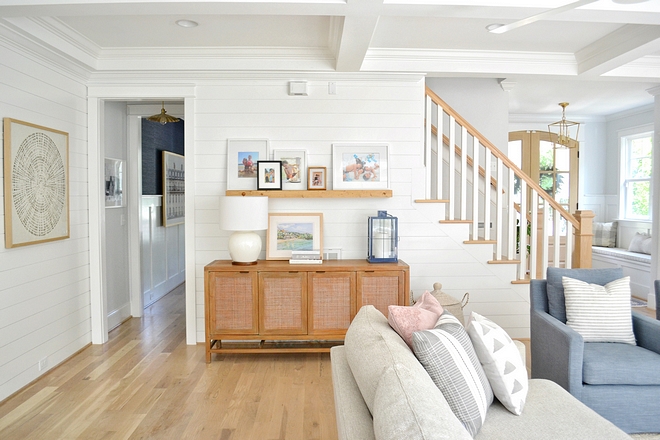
(470, 181)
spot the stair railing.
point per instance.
(480, 185)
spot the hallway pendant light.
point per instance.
(565, 130)
(163, 118)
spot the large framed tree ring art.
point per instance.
(36, 175)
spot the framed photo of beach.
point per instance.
(242, 158)
(360, 166)
(292, 231)
(294, 168)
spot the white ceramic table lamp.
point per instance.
(244, 215)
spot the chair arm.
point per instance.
(647, 332)
(557, 352)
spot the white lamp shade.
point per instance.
(244, 213)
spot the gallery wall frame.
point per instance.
(293, 231)
(360, 166)
(174, 191)
(36, 175)
(114, 183)
(294, 164)
(242, 158)
(269, 174)
(317, 178)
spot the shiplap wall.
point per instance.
(44, 288)
(363, 110)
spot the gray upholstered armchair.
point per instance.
(619, 381)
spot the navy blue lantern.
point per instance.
(383, 238)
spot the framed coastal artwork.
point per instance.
(360, 166)
(269, 174)
(288, 232)
(242, 158)
(294, 168)
(36, 177)
(174, 191)
(114, 183)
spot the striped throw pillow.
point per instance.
(599, 313)
(447, 354)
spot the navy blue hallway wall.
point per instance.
(157, 138)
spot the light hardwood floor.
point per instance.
(146, 383)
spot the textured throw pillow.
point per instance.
(501, 361)
(640, 243)
(599, 313)
(423, 315)
(604, 234)
(449, 358)
(555, 287)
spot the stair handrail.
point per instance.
(503, 157)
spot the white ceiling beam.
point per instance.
(626, 44)
(354, 38)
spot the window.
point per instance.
(636, 172)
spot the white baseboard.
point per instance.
(118, 316)
(651, 301)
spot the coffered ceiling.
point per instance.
(600, 57)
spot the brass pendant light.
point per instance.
(566, 130)
(163, 118)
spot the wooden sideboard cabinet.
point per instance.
(275, 306)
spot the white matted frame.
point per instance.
(269, 174)
(114, 183)
(36, 175)
(294, 167)
(174, 191)
(242, 158)
(360, 166)
(293, 231)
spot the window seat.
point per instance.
(634, 264)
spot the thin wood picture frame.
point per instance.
(174, 191)
(269, 174)
(294, 164)
(242, 158)
(360, 166)
(317, 178)
(293, 231)
(36, 175)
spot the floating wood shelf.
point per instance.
(315, 194)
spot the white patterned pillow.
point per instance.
(448, 356)
(501, 361)
(599, 313)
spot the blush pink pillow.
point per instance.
(423, 315)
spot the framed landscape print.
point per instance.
(242, 158)
(294, 167)
(269, 174)
(288, 232)
(360, 166)
(174, 192)
(36, 175)
(114, 183)
(316, 178)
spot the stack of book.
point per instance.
(306, 257)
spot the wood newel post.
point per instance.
(583, 239)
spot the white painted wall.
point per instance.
(44, 288)
(116, 279)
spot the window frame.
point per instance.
(626, 139)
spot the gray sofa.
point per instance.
(382, 392)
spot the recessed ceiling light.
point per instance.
(493, 26)
(187, 23)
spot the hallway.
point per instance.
(146, 383)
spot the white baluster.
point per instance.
(464, 154)
(522, 267)
(475, 188)
(511, 227)
(534, 238)
(498, 213)
(428, 147)
(452, 167)
(487, 197)
(439, 116)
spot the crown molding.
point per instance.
(466, 61)
(34, 49)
